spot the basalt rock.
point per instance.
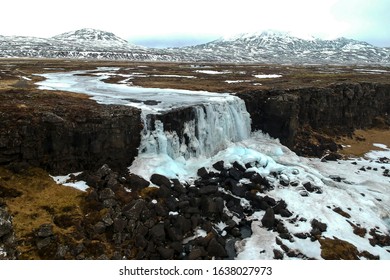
(268, 219)
(67, 134)
(160, 180)
(302, 117)
(170, 222)
(7, 238)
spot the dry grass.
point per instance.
(293, 76)
(40, 201)
(363, 140)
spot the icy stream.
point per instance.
(220, 120)
(149, 100)
(221, 131)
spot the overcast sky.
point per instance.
(178, 22)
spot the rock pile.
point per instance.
(166, 219)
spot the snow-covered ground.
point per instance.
(363, 195)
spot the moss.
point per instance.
(357, 229)
(149, 192)
(337, 249)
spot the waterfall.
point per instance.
(215, 126)
(217, 120)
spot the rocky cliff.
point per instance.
(65, 134)
(304, 118)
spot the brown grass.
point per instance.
(363, 140)
(292, 76)
(41, 201)
(337, 249)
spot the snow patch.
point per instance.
(267, 76)
(65, 180)
(213, 72)
(237, 81)
(385, 153)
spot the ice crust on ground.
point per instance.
(121, 94)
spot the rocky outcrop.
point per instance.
(296, 116)
(7, 237)
(174, 120)
(173, 221)
(64, 134)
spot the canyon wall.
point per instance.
(297, 116)
(64, 134)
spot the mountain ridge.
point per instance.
(89, 34)
(256, 47)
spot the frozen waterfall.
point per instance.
(218, 120)
(216, 125)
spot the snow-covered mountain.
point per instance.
(89, 34)
(83, 43)
(279, 47)
(264, 47)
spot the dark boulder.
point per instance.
(174, 233)
(203, 173)
(164, 191)
(197, 253)
(208, 206)
(238, 190)
(215, 249)
(271, 201)
(268, 219)
(137, 182)
(219, 165)
(281, 209)
(207, 190)
(45, 230)
(236, 174)
(160, 180)
(106, 194)
(278, 255)
(239, 167)
(99, 228)
(318, 227)
(258, 179)
(157, 233)
(133, 210)
(165, 253)
(103, 171)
